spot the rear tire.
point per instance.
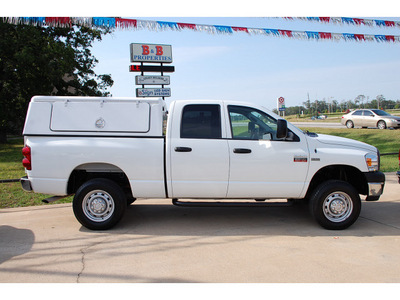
(99, 204)
(335, 205)
(349, 124)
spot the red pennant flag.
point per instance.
(125, 23)
(390, 38)
(244, 29)
(359, 37)
(287, 33)
(325, 19)
(325, 35)
(186, 25)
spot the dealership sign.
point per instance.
(158, 56)
(151, 53)
(153, 92)
(152, 80)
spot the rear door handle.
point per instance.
(183, 149)
(241, 150)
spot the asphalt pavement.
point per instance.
(158, 242)
(319, 124)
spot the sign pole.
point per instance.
(162, 74)
(281, 106)
(141, 73)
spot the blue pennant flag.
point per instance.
(224, 29)
(380, 38)
(312, 35)
(271, 31)
(380, 22)
(104, 22)
(348, 20)
(170, 25)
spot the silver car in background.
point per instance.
(370, 118)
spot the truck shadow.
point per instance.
(14, 242)
(376, 219)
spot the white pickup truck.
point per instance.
(110, 151)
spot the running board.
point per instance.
(54, 198)
(230, 204)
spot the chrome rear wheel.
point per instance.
(99, 204)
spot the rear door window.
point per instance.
(201, 121)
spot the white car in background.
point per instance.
(370, 118)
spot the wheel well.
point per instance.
(381, 121)
(340, 172)
(86, 172)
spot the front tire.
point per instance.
(335, 205)
(99, 204)
(381, 125)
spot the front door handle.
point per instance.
(241, 150)
(183, 149)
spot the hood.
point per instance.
(336, 140)
(390, 117)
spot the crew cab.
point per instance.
(110, 151)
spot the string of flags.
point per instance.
(136, 24)
(349, 21)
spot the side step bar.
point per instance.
(54, 198)
(230, 204)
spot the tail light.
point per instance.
(27, 161)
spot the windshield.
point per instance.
(380, 112)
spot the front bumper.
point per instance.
(26, 184)
(394, 124)
(376, 183)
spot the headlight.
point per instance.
(372, 161)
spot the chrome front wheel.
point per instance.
(381, 125)
(337, 207)
(335, 204)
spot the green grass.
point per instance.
(12, 195)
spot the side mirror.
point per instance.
(281, 130)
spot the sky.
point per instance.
(252, 68)
(257, 68)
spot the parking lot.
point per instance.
(159, 242)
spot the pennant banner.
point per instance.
(350, 21)
(135, 24)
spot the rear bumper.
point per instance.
(26, 184)
(376, 183)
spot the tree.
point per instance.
(38, 60)
(360, 98)
(380, 99)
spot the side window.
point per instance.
(368, 113)
(251, 124)
(358, 113)
(201, 121)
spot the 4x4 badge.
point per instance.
(300, 159)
